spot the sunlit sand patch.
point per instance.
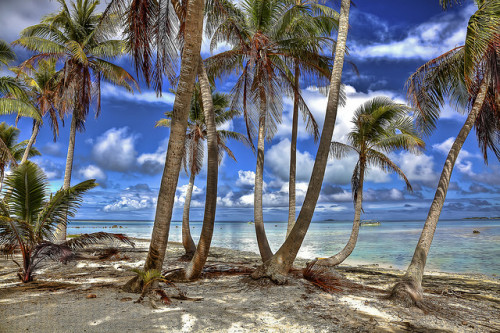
(358, 303)
(188, 322)
(166, 309)
(100, 321)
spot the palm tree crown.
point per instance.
(12, 151)
(197, 129)
(78, 40)
(380, 126)
(28, 218)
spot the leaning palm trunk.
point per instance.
(196, 265)
(187, 240)
(293, 154)
(165, 204)
(279, 265)
(31, 141)
(264, 248)
(351, 244)
(409, 290)
(61, 228)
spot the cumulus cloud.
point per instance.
(136, 197)
(337, 171)
(51, 169)
(317, 105)
(114, 150)
(152, 163)
(92, 172)
(419, 168)
(425, 41)
(461, 164)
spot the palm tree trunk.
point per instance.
(2, 175)
(409, 289)
(264, 248)
(196, 265)
(293, 154)
(279, 265)
(36, 128)
(165, 204)
(351, 244)
(187, 240)
(61, 228)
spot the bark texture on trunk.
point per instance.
(293, 155)
(187, 240)
(279, 265)
(61, 228)
(409, 289)
(264, 248)
(338, 258)
(182, 104)
(196, 265)
(32, 140)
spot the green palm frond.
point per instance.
(27, 189)
(377, 159)
(85, 240)
(62, 204)
(482, 29)
(6, 53)
(20, 107)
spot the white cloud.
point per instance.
(246, 178)
(417, 167)
(337, 171)
(114, 150)
(130, 203)
(425, 41)
(153, 163)
(461, 164)
(111, 91)
(92, 172)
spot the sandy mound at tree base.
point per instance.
(86, 296)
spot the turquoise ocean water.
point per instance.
(455, 247)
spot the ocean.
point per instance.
(455, 247)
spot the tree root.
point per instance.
(134, 285)
(186, 257)
(408, 293)
(176, 275)
(267, 272)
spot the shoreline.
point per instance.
(87, 295)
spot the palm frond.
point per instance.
(376, 158)
(6, 53)
(62, 205)
(340, 150)
(84, 240)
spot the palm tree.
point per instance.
(151, 30)
(42, 82)
(468, 76)
(264, 50)
(380, 126)
(194, 149)
(13, 151)
(13, 96)
(279, 265)
(77, 39)
(317, 20)
(28, 218)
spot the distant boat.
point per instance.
(250, 222)
(370, 223)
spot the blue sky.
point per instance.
(388, 40)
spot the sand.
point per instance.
(86, 296)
